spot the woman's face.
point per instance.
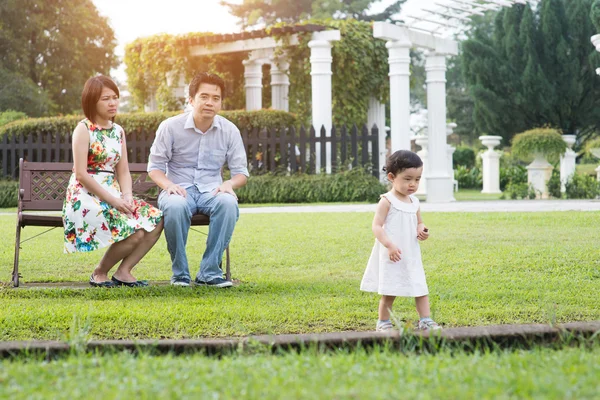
(106, 107)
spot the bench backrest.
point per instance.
(43, 185)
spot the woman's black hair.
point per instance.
(401, 160)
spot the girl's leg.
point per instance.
(423, 306)
(385, 307)
(115, 253)
(123, 273)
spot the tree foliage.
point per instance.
(534, 67)
(55, 45)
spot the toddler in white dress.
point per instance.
(395, 267)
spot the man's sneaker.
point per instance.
(217, 282)
(180, 281)
(384, 326)
(428, 325)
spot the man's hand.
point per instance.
(226, 187)
(176, 189)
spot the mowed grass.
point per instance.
(300, 273)
(570, 373)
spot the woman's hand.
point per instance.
(422, 232)
(128, 197)
(394, 253)
(123, 206)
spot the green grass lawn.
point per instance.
(589, 169)
(300, 273)
(475, 194)
(570, 373)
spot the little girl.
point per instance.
(395, 267)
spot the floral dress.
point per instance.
(90, 223)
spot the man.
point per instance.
(185, 161)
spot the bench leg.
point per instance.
(227, 265)
(15, 275)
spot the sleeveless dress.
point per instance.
(92, 224)
(405, 278)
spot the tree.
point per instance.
(268, 12)
(57, 45)
(534, 68)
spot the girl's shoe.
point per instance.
(105, 284)
(384, 326)
(428, 325)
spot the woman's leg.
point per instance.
(385, 307)
(115, 253)
(423, 306)
(123, 273)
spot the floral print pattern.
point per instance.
(90, 223)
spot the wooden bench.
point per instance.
(43, 186)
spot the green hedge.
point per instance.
(148, 121)
(353, 185)
(8, 193)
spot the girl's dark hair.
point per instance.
(92, 90)
(401, 160)
(205, 77)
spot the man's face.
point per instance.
(207, 101)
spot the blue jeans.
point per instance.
(177, 213)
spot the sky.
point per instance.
(131, 19)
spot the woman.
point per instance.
(99, 209)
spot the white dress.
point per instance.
(406, 277)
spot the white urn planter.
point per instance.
(567, 161)
(596, 153)
(491, 164)
(538, 175)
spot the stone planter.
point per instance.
(491, 164)
(567, 161)
(538, 175)
(596, 153)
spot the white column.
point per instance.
(567, 161)
(376, 116)
(320, 62)
(253, 77)
(280, 84)
(439, 184)
(421, 140)
(491, 164)
(399, 60)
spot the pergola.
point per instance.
(430, 31)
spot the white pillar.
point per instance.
(538, 175)
(320, 61)
(421, 140)
(376, 116)
(567, 161)
(439, 184)
(491, 164)
(280, 84)
(253, 77)
(399, 60)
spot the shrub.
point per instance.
(592, 144)
(468, 178)
(595, 14)
(8, 193)
(148, 121)
(353, 185)
(515, 174)
(541, 140)
(516, 191)
(582, 186)
(463, 156)
(10, 116)
(554, 184)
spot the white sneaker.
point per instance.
(384, 327)
(428, 325)
(180, 282)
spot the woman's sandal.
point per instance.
(118, 282)
(105, 284)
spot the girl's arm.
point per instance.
(81, 144)
(383, 207)
(422, 231)
(123, 174)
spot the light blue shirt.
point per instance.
(190, 157)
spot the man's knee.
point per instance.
(174, 205)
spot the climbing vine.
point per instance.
(360, 70)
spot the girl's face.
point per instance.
(407, 181)
(106, 107)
